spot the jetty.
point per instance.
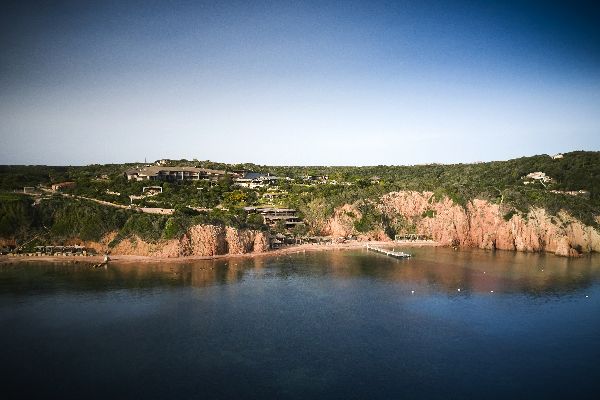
(104, 262)
(391, 253)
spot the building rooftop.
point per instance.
(155, 170)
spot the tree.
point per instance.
(280, 226)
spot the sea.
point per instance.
(338, 324)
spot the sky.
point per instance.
(297, 83)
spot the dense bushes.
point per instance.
(498, 182)
(78, 218)
(370, 218)
(16, 214)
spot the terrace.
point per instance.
(173, 174)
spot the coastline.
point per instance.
(7, 259)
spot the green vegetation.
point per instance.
(16, 216)
(370, 218)
(60, 218)
(63, 218)
(428, 214)
(222, 203)
(509, 215)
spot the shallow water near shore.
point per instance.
(335, 324)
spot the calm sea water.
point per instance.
(338, 324)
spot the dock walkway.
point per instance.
(391, 253)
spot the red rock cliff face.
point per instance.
(240, 241)
(482, 225)
(341, 224)
(206, 240)
(7, 242)
(136, 246)
(200, 240)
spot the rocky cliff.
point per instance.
(341, 224)
(480, 224)
(199, 240)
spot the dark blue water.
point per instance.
(341, 325)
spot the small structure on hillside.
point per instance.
(253, 180)
(61, 250)
(411, 236)
(538, 176)
(272, 216)
(274, 195)
(152, 189)
(173, 174)
(314, 240)
(8, 249)
(63, 185)
(310, 179)
(583, 193)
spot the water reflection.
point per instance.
(445, 270)
(430, 270)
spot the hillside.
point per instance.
(566, 188)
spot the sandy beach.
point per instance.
(11, 259)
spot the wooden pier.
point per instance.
(391, 253)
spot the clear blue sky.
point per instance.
(340, 83)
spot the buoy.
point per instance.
(586, 296)
(412, 292)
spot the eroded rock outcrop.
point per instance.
(261, 242)
(341, 224)
(135, 246)
(207, 240)
(480, 224)
(241, 241)
(99, 247)
(199, 240)
(7, 242)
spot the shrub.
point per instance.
(509, 215)
(428, 214)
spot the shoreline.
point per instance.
(121, 258)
